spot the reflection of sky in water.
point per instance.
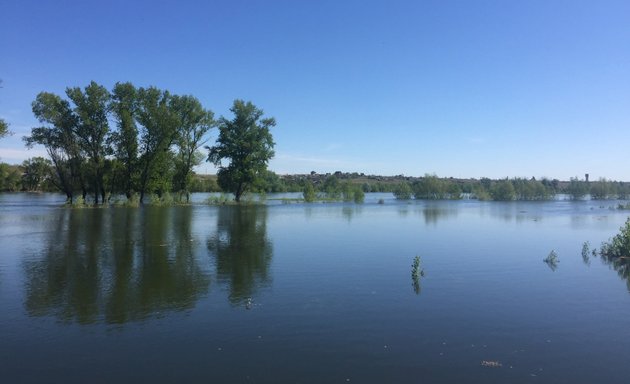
(277, 293)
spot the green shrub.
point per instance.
(309, 192)
(618, 246)
(402, 191)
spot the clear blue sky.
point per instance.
(457, 88)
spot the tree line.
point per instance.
(431, 187)
(145, 141)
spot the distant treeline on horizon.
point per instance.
(35, 175)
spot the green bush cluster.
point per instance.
(619, 246)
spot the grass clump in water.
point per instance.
(416, 273)
(552, 260)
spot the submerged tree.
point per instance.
(124, 140)
(91, 129)
(195, 122)
(246, 144)
(158, 129)
(57, 136)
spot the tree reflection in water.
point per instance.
(621, 265)
(116, 265)
(241, 250)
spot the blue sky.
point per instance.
(457, 88)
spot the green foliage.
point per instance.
(91, 128)
(416, 269)
(479, 192)
(246, 143)
(416, 273)
(352, 192)
(124, 141)
(619, 246)
(531, 189)
(552, 260)
(309, 192)
(4, 128)
(586, 252)
(194, 123)
(164, 199)
(58, 137)
(36, 172)
(269, 182)
(204, 183)
(430, 187)
(453, 191)
(502, 190)
(9, 178)
(601, 190)
(403, 191)
(576, 189)
(331, 187)
(358, 195)
(222, 199)
(159, 121)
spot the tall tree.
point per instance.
(246, 144)
(125, 139)
(91, 107)
(158, 129)
(195, 122)
(57, 136)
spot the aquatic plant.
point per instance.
(222, 199)
(586, 250)
(79, 202)
(416, 273)
(309, 192)
(403, 191)
(552, 260)
(416, 269)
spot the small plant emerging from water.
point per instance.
(586, 251)
(552, 260)
(416, 273)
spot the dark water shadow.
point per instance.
(241, 251)
(116, 265)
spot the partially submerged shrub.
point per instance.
(403, 191)
(618, 246)
(552, 260)
(416, 273)
(222, 199)
(586, 250)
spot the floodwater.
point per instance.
(310, 293)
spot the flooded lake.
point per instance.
(310, 293)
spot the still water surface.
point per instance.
(319, 293)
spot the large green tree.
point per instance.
(58, 137)
(246, 144)
(91, 129)
(158, 129)
(195, 122)
(124, 140)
